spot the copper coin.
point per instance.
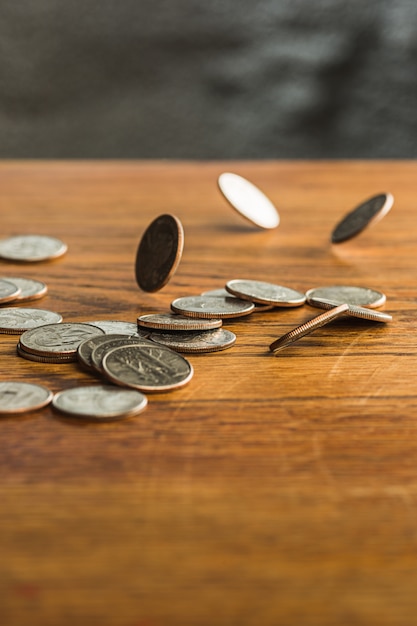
(159, 253)
(366, 214)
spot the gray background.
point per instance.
(214, 79)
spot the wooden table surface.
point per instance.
(269, 491)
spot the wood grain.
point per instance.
(272, 490)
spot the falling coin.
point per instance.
(20, 397)
(350, 294)
(31, 248)
(353, 310)
(169, 321)
(366, 214)
(197, 342)
(265, 293)
(248, 200)
(100, 402)
(212, 306)
(159, 253)
(30, 289)
(308, 327)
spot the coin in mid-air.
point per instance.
(31, 248)
(8, 291)
(30, 289)
(212, 306)
(20, 397)
(265, 293)
(354, 311)
(15, 320)
(99, 402)
(196, 341)
(349, 294)
(172, 321)
(366, 214)
(159, 252)
(248, 200)
(58, 339)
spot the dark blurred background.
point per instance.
(213, 79)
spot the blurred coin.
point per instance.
(248, 200)
(308, 327)
(339, 294)
(14, 320)
(37, 358)
(204, 341)
(354, 311)
(265, 293)
(30, 289)
(118, 327)
(102, 347)
(169, 321)
(20, 397)
(100, 402)
(222, 293)
(159, 252)
(58, 339)
(366, 214)
(212, 306)
(8, 291)
(147, 368)
(31, 248)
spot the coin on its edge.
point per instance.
(19, 397)
(366, 214)
(159, 252)
(354, 311)
(248, 200)
(100, 402)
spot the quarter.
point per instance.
(20, 397)
(265, 293)
(248, 200)
(99, 402)
(366, 214)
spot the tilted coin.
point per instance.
(30, 289)
(19, 397)
(31, 248)
(54, 339)
(147, 368)
(159, 253)
(100, 402)
(308, 327)
(367, 213)
(37, 358)
(108, 344)
(248, 200)
(355, 311)
(169, 321)
(265, 293)
(212, 306)
(340, 294)
(118, 327)
(8, 291)
(196, 341)
(14, 320)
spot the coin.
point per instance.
(30, 289)
(205, 341)
(8, 291)
(14, 320)
(100, 402)
(169, 321)
(265, 293)
(248, 200)
(118, 327)
(85, 349)
(339, 294)
(20, 397)
(147, 368)
(108, 344)
(31, 248)
(222, 292)
(159, 252)
(366, 214)
(58, 358)
(212, 306)
(354, 311)
(58, 339)
(308, 327)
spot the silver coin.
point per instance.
(8, 291)
(100, 402)
(354, 311)
(30, 289)
(14, 321)
(37, 358)
(248, 200)
(116, 327)
(366, 214)
(169, 321)
(205, 341)
(349, 294)
(85, 349)
(54, 339)
(222, 293)
(31, 248)
(108, 344)
(147, 368)
(212, 306)
(19, 397)
(265, 293)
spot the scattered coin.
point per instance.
(30, 289)
(212, 306)
(14, 320)
(248, 200)
(195, 341)
(354, 311)
(37, 358)
(100, 402)
(102, 347)
(169, 321)
(19, 397)
(8, 291)
(31, 248)
(366, 214)
(159, 253)
(55, 340)
(118, 327)
(147, 368)
(265, 293)
(86, 347)
(340, 294)
(308, 327)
